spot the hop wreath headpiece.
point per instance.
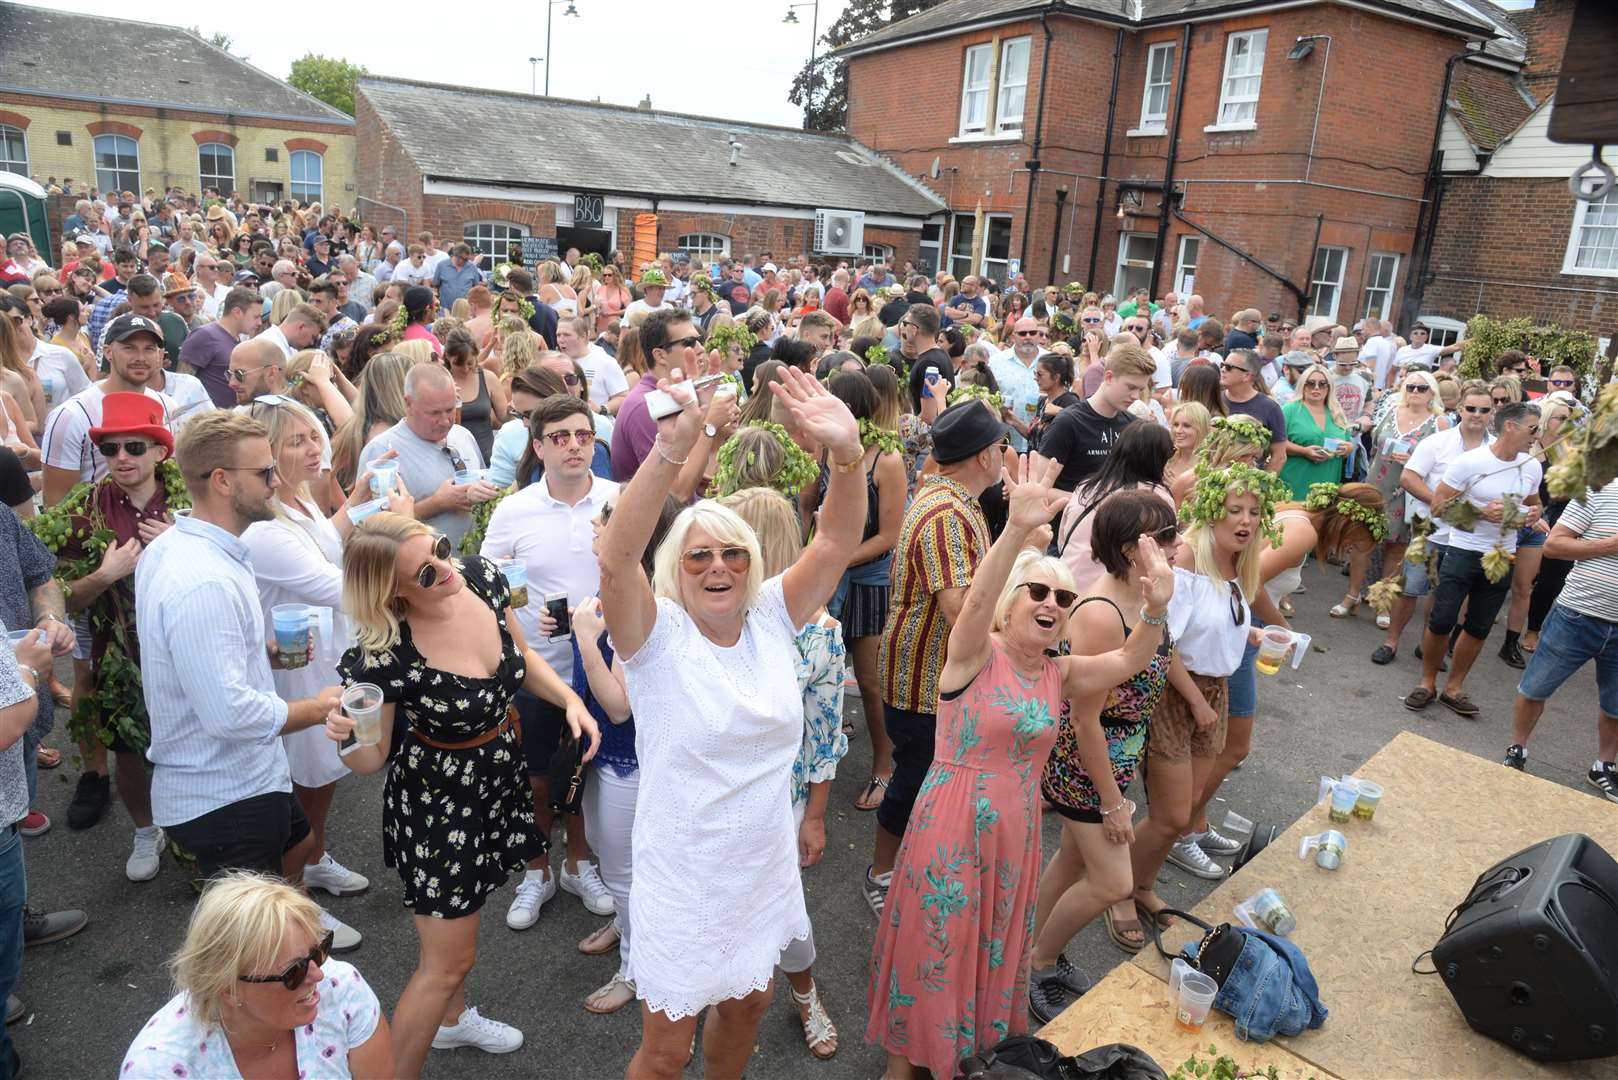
(876, 354)
(798, 473)
(720, 337)
(1330, 497)
(974, 392)
(704, 284)
(1226, 431)
(1206, 503)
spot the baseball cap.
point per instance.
(127, 326)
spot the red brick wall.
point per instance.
(384, 172)
(1546, 26)
(1507, 237)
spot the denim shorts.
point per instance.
(1243, 685)
(1417, 581)
(1531, 537)
(1566, 641)
(1461, 581)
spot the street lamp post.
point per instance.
(573, 11)
(814, 40)
(533, 74)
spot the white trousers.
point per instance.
(609, 814)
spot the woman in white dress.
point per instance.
(710, 661)
(298, 559)
(554, 289)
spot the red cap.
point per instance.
(132, 414)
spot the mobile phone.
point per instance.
(556, 607)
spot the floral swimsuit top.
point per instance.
(1133, 700)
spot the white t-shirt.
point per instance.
(275, 334)
(1431, 460)
(1379, 352)
(408, 273)
(606, 378)
(191, 398)
(1203, 622)
(642, 305)
(59, 370)
(173, 1044)
(66, 443)
(1423, 356)
(1484, 478)
(1163, 375)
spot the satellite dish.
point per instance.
(934, 171)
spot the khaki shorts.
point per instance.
(1173, 733)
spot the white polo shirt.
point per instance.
(59, 370)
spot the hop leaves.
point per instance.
(1497, 563)
(1383, 594)
(1206, 503)
(1566, 479)
(1511, 513)
(974, 392)
(1460, 514)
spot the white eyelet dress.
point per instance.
(716, 894)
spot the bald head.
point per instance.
(257, 367)
(1027, 339)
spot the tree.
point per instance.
(821, 88)
(218, 39)
(331, 80)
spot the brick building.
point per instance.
(1510, 238)
(124, 105)
(491, 167)
(1294, 140)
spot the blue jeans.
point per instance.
(13, 891)
(1567, 642)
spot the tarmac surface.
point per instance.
(87, 996)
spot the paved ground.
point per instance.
(89, 994)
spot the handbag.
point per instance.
(1028, 1057)
(566, 776)
(1265, 984)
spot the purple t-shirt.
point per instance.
(634, 432)
(207, 350)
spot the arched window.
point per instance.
(493, 238)
(216, 166)
(705, 247)
(307, 169)
(13, 150)
(117, 163)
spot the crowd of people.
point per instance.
(611, 545)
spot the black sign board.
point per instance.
(587, 211)
(536, 249)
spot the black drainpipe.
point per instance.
(1032, 164)
(1106, 161)
(1056, 233)
(1301, 294)
(1432, 195)
(1167, 197)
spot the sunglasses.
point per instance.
(427, 574)
(297, 971)
(562, 438)
(456, 462)
(1477, 409)
(137, 448)
(1228, 366)
(697, 560)
(1561, 382)
(240, 374)
(1418, 388)
(58, 292)
(678, 343)
(1029, 333)
(1316, 384)
(266, 474)
(1091, 322)
(1038, 591)
(1499, 401)
(1168, 534)
(1238, 611)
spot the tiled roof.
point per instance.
(1487, 104)
(120, 61)
(457, 133)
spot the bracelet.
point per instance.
(657, 444)
(1149, 620)
(852, 466)
(1120, 806)
(38, 680)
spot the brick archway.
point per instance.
(211, 135)
(16, 120)
(114, 127)
(306, 144)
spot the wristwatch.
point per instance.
(710, 431)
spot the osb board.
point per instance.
(1445, 817)
(1129, 1006)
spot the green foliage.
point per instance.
(885, 441)
(975, 392)
(720, 337)
(1219, 1066)
(798, 473)
(331, 79)
(821, 87)
(1487, 338)
(472, 542)
(218, 39)
(1206, 503)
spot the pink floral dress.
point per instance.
(949, 970)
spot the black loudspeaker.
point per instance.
(1531, 954)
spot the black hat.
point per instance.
(964, 429)
(127, 326)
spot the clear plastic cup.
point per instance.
(516, 575)
(1333, 846)
(1274, 641)
(1345, 796)
(1195, 998)
(468, 476)
(1370, 795)
(362, 703)
(17, 637)
(291, 625)
(1271, 912)
(359, 513)
(383, 476)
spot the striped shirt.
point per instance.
(1592, 585)
(216, 719)
(943, 538)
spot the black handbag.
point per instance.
(1028, 1057)
(566, 776)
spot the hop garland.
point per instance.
(876, 354)
(1459, 513)
(798, 473)
(401, 320)
(720, 338)
(1590, 460)
(1385, 593)
(1206, 503)
(885, 441)
(593, 261)
(1328, 497)
(704, 284)
(1497, 563)
(472, 542)
(974, 392)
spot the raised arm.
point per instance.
(823, 418)
(1096, 674)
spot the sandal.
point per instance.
(59, 692)
(1117, 928)
(47, 757)
(871, 797)
(601, 942)
(818, 1031)
(618, 992)
(1346, 610)
(1162, 922)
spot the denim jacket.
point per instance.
(1270, 991)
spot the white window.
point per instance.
(13, 150)
(1137, 257)
(1013, 84)
(1442, 331)
(996, 246)
(1185, 267)
(881, 253)
(1244, 69)
(1380, 275)
(960, 247)
(216, 165)
(705, 247)
(1154, 106)
(492, 238)
(307, 169)
(117, 163)
(1326, 281)
(975, 89)
(1593, 247)
(930, 252)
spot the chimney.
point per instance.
(645, 104)
(735, 147)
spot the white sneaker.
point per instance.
(344, 937)
(535, 888)
(490, 1036)
(143, 857)
(1215, 843)
(588, 886)
(334, 877)
(1188, 856)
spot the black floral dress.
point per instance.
(456, 823)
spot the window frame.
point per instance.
(211, 180)
(1372, 289)
(294, 185)
(984, 259)
(1001, 125)
(1581, 212)
(986, 89)
(116, 170)
(1316, 281)
(936, 246)
(952, 255)
(702, 251)
(1150, 121)
(494, 255)
(7, 162)
(1259, 40)
(882, 253)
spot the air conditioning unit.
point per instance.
(839, 232)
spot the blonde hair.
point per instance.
(1510, 384)
(775, 522)
(209, 442)
(1200, 539)
(370, 586)
(519, 349)
(299, 365)
(1333, 407)
(868, 326)
(280, 422)
(758, 458)
(419, 350)
(1127, 357)
(549, 272)
(283, 304)
(1196, 414)
(239, 927)
(726, 527)
(1029, 562)
(460, 311)
(582, 278)
(379, 399)
(1435, 403)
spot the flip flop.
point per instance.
(1117, 928)
(48, 757)
(873, 786)
(601, 942)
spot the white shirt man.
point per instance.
(608, 386)
(1378, 351)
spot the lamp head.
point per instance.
(792, 17)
